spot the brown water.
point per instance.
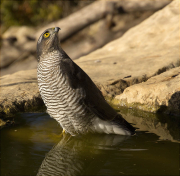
(33, 146)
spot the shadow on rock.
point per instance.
(72, 155)
(173, 107)
(165, 126)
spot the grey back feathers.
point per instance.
(70, 95)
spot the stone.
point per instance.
(147, 53)
(160, 124)
(88, 31)
(2, 123)
(22, 33)
(146, 50)
(19, 92)
(20, 41)
(137, 5)
(159, 93)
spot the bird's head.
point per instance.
(48, 42)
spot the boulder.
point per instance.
(22, 33)
(97, 11)
(20, 41)
(159, 93)
(137, 5)
(160, 124)
(19, 92)
(90, 28)
(146, 54)
(146, 50)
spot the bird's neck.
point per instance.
(50, 59)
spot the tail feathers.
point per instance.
(122, 123)
(117, 126)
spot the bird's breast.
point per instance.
(63, 102)
(52, 84)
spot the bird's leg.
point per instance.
(62, 133)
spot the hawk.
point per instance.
(71, 97)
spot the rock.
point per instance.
(144, 54)
(146, 50)
(98, 10)
(2, 123)
(27, 63)
(22, 34)
(17, 44)
(160, 124)
(136, 5)
(111, 19)
(80, 19)
(19, 92)
(159, 93)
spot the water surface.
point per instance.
(34, 146)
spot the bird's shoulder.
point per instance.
(92, 96)
(74, 74)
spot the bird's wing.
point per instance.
(91, 95)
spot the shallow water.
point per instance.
(34, 146)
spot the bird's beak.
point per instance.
(56, 29)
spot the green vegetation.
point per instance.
(33, 12)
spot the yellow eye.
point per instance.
(46, 35)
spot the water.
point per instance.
(34, 146)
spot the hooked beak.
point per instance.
(56, 29)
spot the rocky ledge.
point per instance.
(158, 94)
(139, 70)
(19, 93)
(142, 68)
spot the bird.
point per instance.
(69, 156)
(69, 94)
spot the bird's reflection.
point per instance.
(72, 155)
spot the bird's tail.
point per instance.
(122, 124)
(116, 126)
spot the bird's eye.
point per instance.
(46, 35)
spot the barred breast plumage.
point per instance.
(69, 156)
(63, 102)
(70, 95)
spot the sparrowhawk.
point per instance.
(71, 97)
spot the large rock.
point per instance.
(147, 50)
(138, 5)
(20, 41)
(160, 124)
(98, 10)
(159, 93)
(19, 92)
(111, 19)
